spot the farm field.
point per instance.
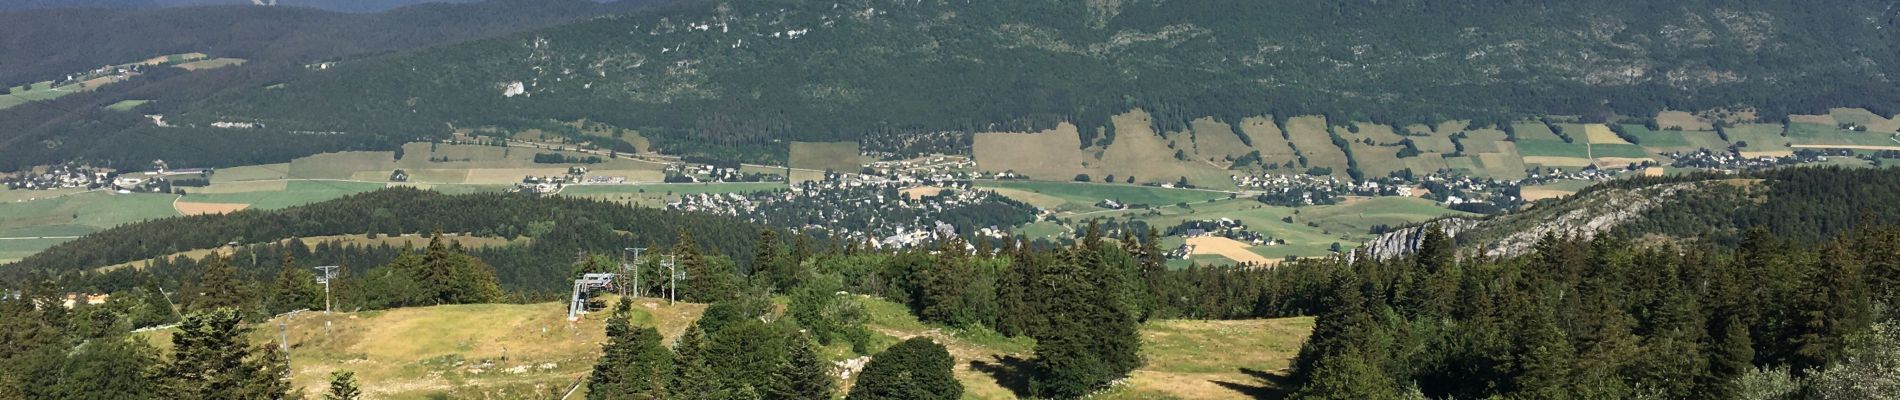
(1681, 120)
(823, 156)
(1056, 155)
(74, 214)
(1761, 139)
(294, 193)
(1534, 130)
(1800, 133)
(1216, 141)
(35, 92)
(1553, 190)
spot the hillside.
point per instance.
(530, 350)
(560, 226)
(1800, 204)
(729, 77)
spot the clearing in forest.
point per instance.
(825, 156)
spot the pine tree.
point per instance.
(343, 387)
(915, 369)
(806, 374)
(768, 264)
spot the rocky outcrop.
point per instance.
(1583, 217)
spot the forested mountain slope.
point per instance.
(1799, 204)
(557, 227)
(40, 44)
(747, 73)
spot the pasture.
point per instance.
(1682, 120)
(214, 63)
(1761, 139)
(1268, 139)
(1310, 138)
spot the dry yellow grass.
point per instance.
(1653, 171)
(1843, 146)
(1619, 161)
(1533, 194)
(922, 192)
(1557, 161)
(1775, 153)
(1224, 247)
(1827, 120)
(1217, 140)
(189, 208)
(1310, 137)
(1267, 138)
(1682, 120)
(1215, 359)
(1601, 134)
(1054, 155)
(1048, 155)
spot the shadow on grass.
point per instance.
(1264, 385)
(1011, 372)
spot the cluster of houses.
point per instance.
(87, 177)
(1223, 227)
(929, 168)
(1731, 161)
(853, 207)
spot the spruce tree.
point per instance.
(343, 387)
(208, 357)
(1089, 339)
(267, 374)
(693, 377)
(294, 288)
(806, 374)
(706, 281)
(219, 286)
(633, 364)
(1831, 305)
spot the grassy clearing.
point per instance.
(214, 63)
(1816, 134)
(1426, 163)
(15, 249)
(1377, 161)
(126, 105)
(252, 173)
(822, 156)
(75, 214)
(41, 91)
(1479, 141)
(1215, 359)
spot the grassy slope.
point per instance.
(417, 353)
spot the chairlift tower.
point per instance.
(673, 275)
(635, 266)
(586, 283)
(329, 273)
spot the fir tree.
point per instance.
(219, 286)
(806, 374)
(633, 364)
(343, 387)
(208, 357)
(693, 377)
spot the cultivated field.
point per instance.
(1215, 141)
(189, 208)
(1268, 139)
(1055, 155)
(1231, 249)
(1682, 120)
(294, 193)
(823, 156)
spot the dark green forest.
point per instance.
(681, 76)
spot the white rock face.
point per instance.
(514, 88)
